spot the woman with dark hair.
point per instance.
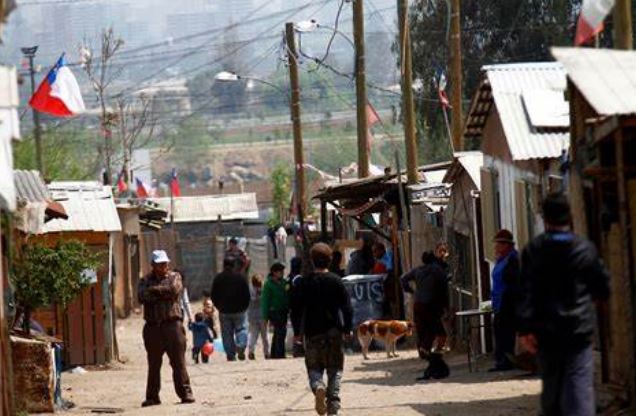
(362, 260)
(336, 264)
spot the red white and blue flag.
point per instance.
(174, 184)
(59, 93)
(122, 186)
(441, 90)
(142, 190)
(590, 23)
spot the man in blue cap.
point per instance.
(160, 293)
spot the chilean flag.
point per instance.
(58, 94)
(174, 184)
(142, 191)
(590, 23)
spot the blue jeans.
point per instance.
(233, 332)
(568, 381)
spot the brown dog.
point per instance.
(386, 331)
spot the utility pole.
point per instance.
(294, 80)
(407, 92)
(456, 76)
(361, 90)
(30, 54)
(623, 25)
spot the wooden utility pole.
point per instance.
(29, 53)
(623, 25)
(361, 90)
(456, 76)
(294, 104)
(407, 92)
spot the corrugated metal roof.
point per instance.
(605, 77)
(90, 207)
(30, 186)
(504, 85)
(471, 162)
(209, 207)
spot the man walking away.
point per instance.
(429, 306)
(322, 314)
(275, 307)
(505, 298)
(231, 295)
(562, 277)
(160, 293)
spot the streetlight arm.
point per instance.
(262, 81)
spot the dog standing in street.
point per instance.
(389, 332)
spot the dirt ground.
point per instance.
(379, 386)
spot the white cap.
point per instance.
(160, 256)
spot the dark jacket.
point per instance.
(360, 262)
(561, 277)
(319, 303)
(200, 333)
(230, 292)
(431, 285)
(161, 297)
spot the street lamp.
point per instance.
(227, 76)
(309, 26)
(29, 53)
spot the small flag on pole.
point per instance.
(590, 23)
(59, 93)
(174, 183)
(142, 190)
(122, 186)
(441, 90)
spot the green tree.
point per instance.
(281, 178)
(493, 31)
(43, 275)
(68, 154)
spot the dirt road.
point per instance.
(375, 387)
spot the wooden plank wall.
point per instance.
(6, 378)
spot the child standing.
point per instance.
(257, 325)
(200, 335)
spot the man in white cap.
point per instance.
(160, 292)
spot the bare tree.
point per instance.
(136, 125)
(101, 73)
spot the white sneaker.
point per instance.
(321, 400)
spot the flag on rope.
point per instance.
(590, 23)
(142, 190)
(174, 183)
(441, 89)
(59, 93)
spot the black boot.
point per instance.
(439, 368)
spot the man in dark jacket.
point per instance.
(505, 298)
(562, 277)
(429, 306)
(160, 293)
(322, 314)
(231, 295)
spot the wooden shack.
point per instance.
(520, 117)
(602, 190)
(86, 325)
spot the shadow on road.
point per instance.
(403, 372)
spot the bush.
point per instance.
(43, 275)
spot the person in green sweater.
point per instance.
(275, 307)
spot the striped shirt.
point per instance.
(161, 297)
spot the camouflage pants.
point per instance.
(324, 353)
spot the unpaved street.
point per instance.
(378, 386)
